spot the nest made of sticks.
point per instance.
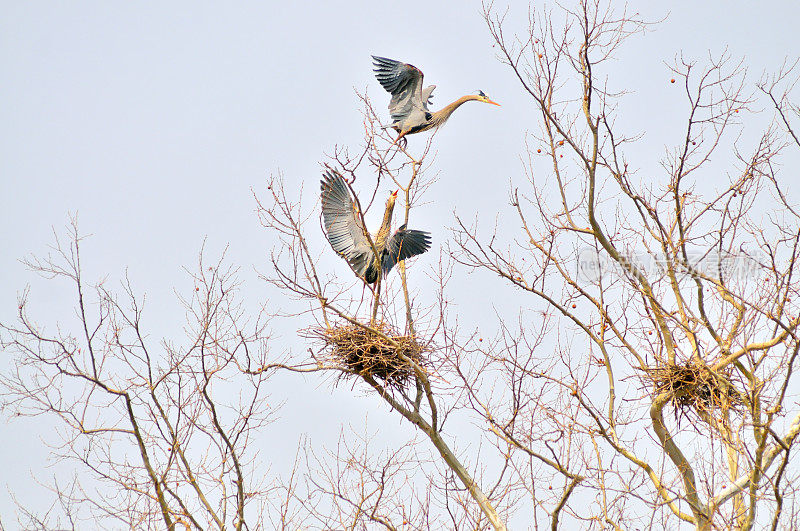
(695, 387)
(362, 350)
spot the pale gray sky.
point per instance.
(153, 121)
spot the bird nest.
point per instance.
(378, 351)
(696, 388)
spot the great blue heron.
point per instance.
(348, 236)
(409, 105)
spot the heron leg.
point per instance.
(400, 137)
(376, 294)
(363, 290)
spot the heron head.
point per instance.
(485, 99)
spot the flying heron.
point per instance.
(409, 105)
(349, 238)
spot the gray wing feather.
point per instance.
(427, 96)
(404, 244)
(343, 226)
(404, 82)
(397, 77)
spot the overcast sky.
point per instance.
(154, 122)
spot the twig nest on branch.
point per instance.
(695, 388)
(378, 351)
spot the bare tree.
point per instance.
(663, 295)
(164, 430)
(646, 382)
(351, 322)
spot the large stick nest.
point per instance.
(695, 387)
(384, 354)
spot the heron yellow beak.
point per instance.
(493, 102)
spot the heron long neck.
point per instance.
(383, 232)
(441, 116)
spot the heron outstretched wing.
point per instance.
(403, 244)
(404, 82)
(343, 226)
(396, 77)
